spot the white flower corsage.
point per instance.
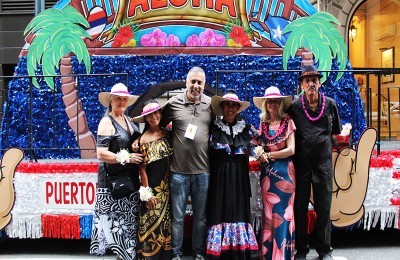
(258, 151)
(145, 193)
(123, 156)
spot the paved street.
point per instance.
(348, 245)
(355, 245)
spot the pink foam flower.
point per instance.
(154, 38)
(173, 40)
(193, 40)
(147, 40)
(211, 38)
(220, 40)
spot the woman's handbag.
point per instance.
(121, 185)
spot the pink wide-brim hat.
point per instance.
(230, 97)
(148, 109)
(272, 93)
(118, 89)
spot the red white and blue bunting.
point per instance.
(56, 200)
(53, 200)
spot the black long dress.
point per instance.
(230, 234)
(115, 222)
(155, 225)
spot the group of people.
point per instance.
(205, 155)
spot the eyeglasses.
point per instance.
(273, 101)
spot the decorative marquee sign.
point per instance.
(125, 24)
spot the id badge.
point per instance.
(190, 131)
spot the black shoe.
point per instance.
(325, 257)
(300, 256)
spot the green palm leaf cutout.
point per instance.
(227, 29)
(58, 32)
(134, 26)
(318, 34)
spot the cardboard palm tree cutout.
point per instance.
(318, 34)
(57, 34)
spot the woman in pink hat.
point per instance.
(230, 233)
(277, 179)
(155, 210)
(115, 215)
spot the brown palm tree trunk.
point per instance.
(307, 57)
(73, 107)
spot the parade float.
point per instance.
(77, 49)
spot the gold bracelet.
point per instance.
(269, 155)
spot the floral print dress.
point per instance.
(277, 181)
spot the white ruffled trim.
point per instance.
(238, 128)
(25, 226)
(388, 216)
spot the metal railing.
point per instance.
(389, 107)
(31, 149)
(369, 73)
(376, 72)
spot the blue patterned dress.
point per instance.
(277, 182)
(230, 234)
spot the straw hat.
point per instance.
(229, 96)
(309, 70)
(118, 89)
(272, 93)
(148, 109)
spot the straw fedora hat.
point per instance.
(148, 109)
(118, 89)
(229, 96)
(272, 93)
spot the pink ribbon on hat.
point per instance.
(150, 109)
(272, 94)
(231, 97)
(120, 91)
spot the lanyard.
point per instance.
(193, 118)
